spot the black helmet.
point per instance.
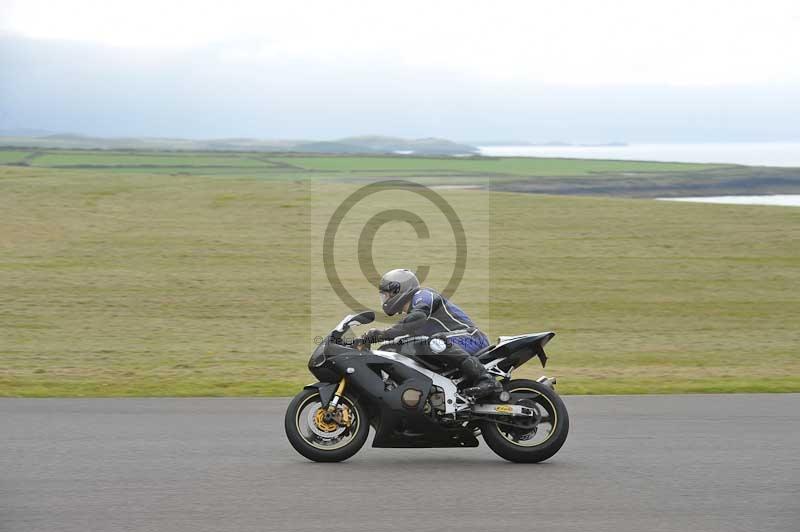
(397, 287)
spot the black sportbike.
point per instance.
(413, 400)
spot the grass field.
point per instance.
(511, 174)
(515, 166)
(145, 281)
(512, 166)
(12, 156)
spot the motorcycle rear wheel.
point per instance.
(322, 441)
(545, 436)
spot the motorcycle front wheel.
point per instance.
(324, 436)
(536, 440)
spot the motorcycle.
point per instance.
(412, 400)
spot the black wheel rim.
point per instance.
(542, 426)
(322, 437)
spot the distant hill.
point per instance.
(430, 146)
(331, 147)
(371, 144)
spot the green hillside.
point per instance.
(512, 174)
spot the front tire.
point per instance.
(320, 440)
(547, 433)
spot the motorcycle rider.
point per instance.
(428, 313)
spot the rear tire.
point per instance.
(315, 443)
(517, 445)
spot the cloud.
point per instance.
(206, 91)
(584, 43)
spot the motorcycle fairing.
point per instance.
(516, 350)
(397, 425)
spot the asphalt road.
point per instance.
(654, 463)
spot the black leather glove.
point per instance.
(373, 335)
(441, 336)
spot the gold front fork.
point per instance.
(336, 396)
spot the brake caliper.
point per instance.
(343, 416)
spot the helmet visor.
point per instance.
(385, 297)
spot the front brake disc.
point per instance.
(321, 431)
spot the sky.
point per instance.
(580, 71)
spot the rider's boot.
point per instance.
(483, 383)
